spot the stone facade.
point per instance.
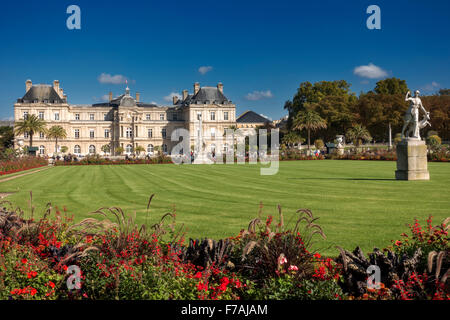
(124, 121)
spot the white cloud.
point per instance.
(431, 87)
(370, 71)
(169, 97)
(258, 95)
(205, 69)
(113, 79)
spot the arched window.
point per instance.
(41, 150)
(129, 148)
(91, 149)
(164, 147)
(150, 148)
(77, 149)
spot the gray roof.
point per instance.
(206, 95)
(42, 93)
(251, 117)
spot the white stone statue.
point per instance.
(412, 124)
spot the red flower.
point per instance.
(33, 291)
(24, 261)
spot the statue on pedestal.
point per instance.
(412, 125)
(412, 151)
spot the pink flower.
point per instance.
(293, 268)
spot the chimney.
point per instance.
(175, 99)
(110, 96)
(196, 87)
(185, 94)
(61, 93)
(138, 96)
(56, 86)
(220, 87)
(28, 85)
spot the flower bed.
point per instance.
(21, 164)
(105, 259)
(104, 161)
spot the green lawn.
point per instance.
(358, 202)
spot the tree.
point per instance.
(56, 132)
(64, 149)
(314, 93)
(31, 125)
(292, 138)
(106, 148)
(444, 92)
(391, 86)
(119, 150)
(309, 120)
(6, 137)
(139, 149)
(357, 134)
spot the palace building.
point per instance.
(124, 121)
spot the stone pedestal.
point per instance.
(202, 158)
(412, 160)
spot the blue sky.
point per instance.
(260, 50)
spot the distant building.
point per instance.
(124, 121)
(250, 119)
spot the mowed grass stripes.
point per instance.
(358, 202)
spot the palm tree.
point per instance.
(119, 150)
(31, 125)
(139, 149)
(309, 120)
(106, 148)
(56, 132)
(357, 134)
(292, 138)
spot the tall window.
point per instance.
(129, 132)
(150, 133)
(25, 135)
(225, 148)
(105, 116)
(56, 116)
(213, 132)
(164, 147)
(175, 116)
(225, 115)
(91, 116)
(77, 149)
(150, 148)
(161, 116)
(213, 115)
(129, 148)
(77, 116)
(91, 133)
(106, 133)
(164, 132)
(77, 133)
(91, 149)
(41, 150)
(41, 115)
(147, 116)
(41, 135)
(25, 115)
